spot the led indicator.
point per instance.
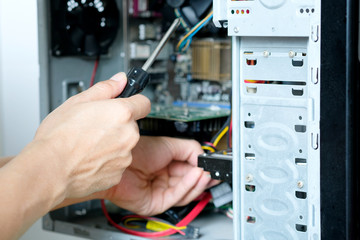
(232, 11)
(247, 11)
(237, 11)
(242, 11)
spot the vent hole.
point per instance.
(250, 156)
(297, 92)
(250, 188)
(298, 63)
(300, 195)
(250, 219)
(300, 128)
(249, 124)
(251, 62)
(252, 90)
(300, 161)
(301, 228)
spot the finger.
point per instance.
(138, 105)
(172, 195)
(199, 188)
(213, 183)
(184, 150)
(179, 169)
(103, 90)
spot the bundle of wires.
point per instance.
(212, 145)
(156, 224)
(185, 41)
(182, 21)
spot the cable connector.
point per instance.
(192, 232)
(222, 194)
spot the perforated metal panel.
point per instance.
(276, 99)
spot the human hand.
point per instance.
(91, 137)
(163, 174)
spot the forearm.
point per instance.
(66, 202)
(5, 160)
(31, 185)
(70, 201)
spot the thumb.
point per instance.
(104, 90)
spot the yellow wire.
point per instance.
(193, 29)
(161, 226)
(208, 148)
(217, 140)
(153, 225)
(128, 225)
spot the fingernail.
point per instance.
(119, 77)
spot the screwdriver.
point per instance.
(137, 77)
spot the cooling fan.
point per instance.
(83, 27)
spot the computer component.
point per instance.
(83, 27)
(218, 164)
(295, 112)
(210, 59)
(276, 116)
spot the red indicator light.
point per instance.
(242, 11)
(247, 11)
(237, 11)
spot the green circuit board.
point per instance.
(187, 114)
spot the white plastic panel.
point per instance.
(270, 17)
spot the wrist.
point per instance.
(40, 166)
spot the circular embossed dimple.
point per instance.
(274, 138)
(273, 142)
(274, 207)
(273, 4)
(274, 175)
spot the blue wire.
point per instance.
(193, 34)
(189, 39)
(201, 26)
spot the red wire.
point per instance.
(211, 144)
(92, 80)
(185, 221)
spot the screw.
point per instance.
(300, 184)
(291, 54)
(236, 29)
(217, 174)
(249, 178)
(266, 53)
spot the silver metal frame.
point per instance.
(274, 210)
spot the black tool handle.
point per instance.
(137, 81)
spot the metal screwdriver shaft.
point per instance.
(161, 44)
(138, 78)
